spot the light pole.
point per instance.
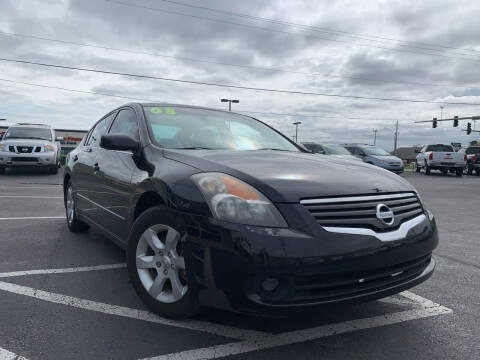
(441, 112)
(296, 130)
(230, 101)
(375, 137)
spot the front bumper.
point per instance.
(229, 265)
(394, 168)
(33, 159)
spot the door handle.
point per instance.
(96, 167)
(87, 149)
(75, 158)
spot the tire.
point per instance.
(417, 167)
(74, 225)
(156, 264)
(2, 170)
(459, 172)
(445, 172)
(427, 169)
(469, 170)
(477, 172)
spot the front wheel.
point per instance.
(427, 169)
(74, 225)
(156, 264)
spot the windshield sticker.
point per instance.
(156, 110)
(170, 111)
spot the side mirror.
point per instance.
(120, 142)
(417, 151)
(59, 138)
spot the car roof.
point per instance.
(144, 104)
(31, 125)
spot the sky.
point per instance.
(410, 50)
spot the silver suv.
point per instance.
(30, 145)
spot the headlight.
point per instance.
(3, 147)
(233, 200)
(50, 148)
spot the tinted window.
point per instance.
(332, 149)
(375, 151)
(28, 133)
(125, 123)
(473, 150)
(315, 148)
(181, 127)
(99, 130)
(444, 148)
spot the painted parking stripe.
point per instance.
(33, 218)
(7, 355)
(30, 197)
(202, 326)
(299, 336)
(63, 271)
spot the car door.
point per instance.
(83, 169)
(113, 175)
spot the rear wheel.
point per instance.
(459, 172)
(156, 265)
(469, 170)
(74, 225)
(427, 169)
(445, 172)
(417, 167)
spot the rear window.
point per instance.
(473, 150)
(444, 148)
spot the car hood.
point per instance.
(387, 158)
(290, 176)
(25, 142)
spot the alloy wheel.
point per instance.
(160, 263)
(70, 205)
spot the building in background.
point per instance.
(407, 154)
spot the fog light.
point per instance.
(269, 284)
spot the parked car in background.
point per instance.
(30, 145)
(473, 159)
(441, 157)
(219, 209)
(335, 150)
(376, 156)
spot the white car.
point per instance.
(30, 145)
(441, 157)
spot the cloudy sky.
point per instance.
(415, 50)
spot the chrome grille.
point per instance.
(360, 211)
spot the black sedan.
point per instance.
(218, 209)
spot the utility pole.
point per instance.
(230, 101)
(375, 137)
(296, 130)
(395, 142)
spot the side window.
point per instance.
(99, 130)
(125, 123)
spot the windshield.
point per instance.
(374, 151)
(444, 148)
(187, 128)
(332, 149)
(28, 133)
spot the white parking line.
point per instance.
(7, 355)
(63, 271)
(294, 337)
(33, 218)
(30, 197)
(203, 326)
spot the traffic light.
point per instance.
(469, 128)
(434, 123)
(455, 121)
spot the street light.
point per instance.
(230, 101)
(296, 130)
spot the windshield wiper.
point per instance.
(274, 149)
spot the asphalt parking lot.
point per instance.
(67, 296)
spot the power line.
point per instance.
(150, 100)
(316, 28)
(261, 68)
(286, 32)
(240, 87)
